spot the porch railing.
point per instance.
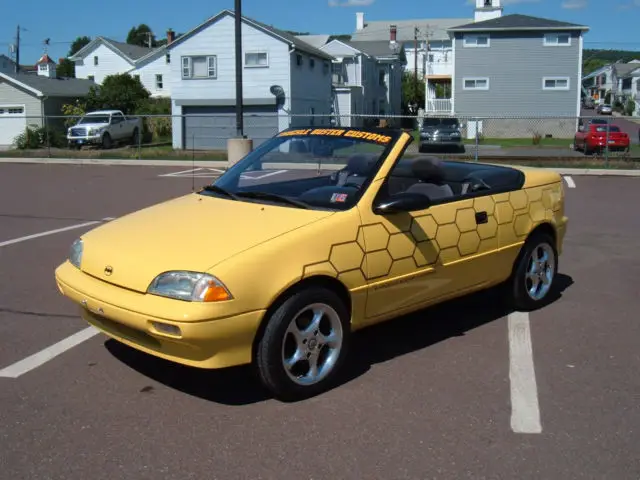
(439, 105)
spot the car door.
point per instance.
(415, 258)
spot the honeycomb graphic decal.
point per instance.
(445, 234)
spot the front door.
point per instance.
(418, 257)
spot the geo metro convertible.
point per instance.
(315, 234)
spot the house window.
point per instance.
(167, 58)
(475, 83)
(476, 40)
(312, 63)
(256, 59)
(204, 66)
(159, 83)
(298, 59)
(555, 83)
(557, 39)
(91, 77)
(325, 67)
(95, 60)
(15, 111)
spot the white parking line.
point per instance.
(525, 411)
(43, 356)
(569, 181)
(48, 232)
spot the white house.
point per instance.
(367, 79)
(103, 56)
(428, 48)
(285, 82)
(616, 78)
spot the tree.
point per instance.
(66, 68)
(409, 92)
(120, 92)
(78, 44)
(140, 36)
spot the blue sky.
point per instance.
(613, 23)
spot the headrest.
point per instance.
(428, 169)
(361, 163)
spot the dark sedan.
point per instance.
(440, 131)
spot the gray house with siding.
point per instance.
(517, 67)
(26, 99)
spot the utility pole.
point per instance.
(415, 66)
(238, 38)
(18, 49)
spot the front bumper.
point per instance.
(86, 140)
(211, 343)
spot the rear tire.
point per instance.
(292, 344)
(534, 273)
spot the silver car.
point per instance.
(440, 131)
(604, 109)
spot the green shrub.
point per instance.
(35, 137)
(155, 127)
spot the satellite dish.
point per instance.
(278, 92)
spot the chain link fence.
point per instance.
(585, 141)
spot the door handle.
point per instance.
(481, 217)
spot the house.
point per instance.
(366, 78)
(518, 69)
(615, 78)
(25, 99)
(426, 42)
(103, 56)
(285, 82)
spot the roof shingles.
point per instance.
(54, 87)
(518, 22)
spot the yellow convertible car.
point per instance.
(315, 234)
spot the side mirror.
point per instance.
(404, 202)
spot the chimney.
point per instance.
(171, 36)
(359, 21)
(393, 32)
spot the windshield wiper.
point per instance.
(217, 189)
(273, 196)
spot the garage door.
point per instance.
(13, 122)
(209, 127)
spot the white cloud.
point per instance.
(350, 3)
(574, 4)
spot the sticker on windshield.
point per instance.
(338, 132)
(338, 198)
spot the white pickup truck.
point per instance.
(104, 128)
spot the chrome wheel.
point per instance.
(540, 271)
(312, 344)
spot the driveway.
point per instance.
(630, 128)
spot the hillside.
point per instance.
(594, 59)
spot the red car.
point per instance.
(594, 138)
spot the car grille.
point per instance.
(78, 132)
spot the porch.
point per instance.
(438, 96)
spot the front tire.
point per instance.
(304, 344)
(534, 273)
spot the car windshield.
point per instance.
(307, 168)
(440, 122)
(95, 119)
(612, 128)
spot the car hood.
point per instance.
(193, 232)
(90, 125)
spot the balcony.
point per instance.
(439, 68)
(438, 105)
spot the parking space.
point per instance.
(463, 390)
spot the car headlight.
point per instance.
(75, 253)
(189, 286)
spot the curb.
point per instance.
(216, 163)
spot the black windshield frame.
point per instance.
(229, 179)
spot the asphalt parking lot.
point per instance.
(426, 396)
